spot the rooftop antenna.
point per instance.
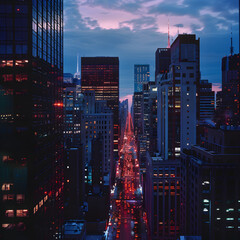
(77, 64)
(231, 48)
(168, 35)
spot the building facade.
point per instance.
(97, 123)
(73, 105)
(123, 113)
(177, 102)
(210, 186)
(31, 115)
(138, 112)
(141, 76)
(162, 62)
(101, 74)
(207, 101)
(230, 90)
(162, 197)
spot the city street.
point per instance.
(126, 211)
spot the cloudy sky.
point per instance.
(134, 29)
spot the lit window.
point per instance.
(7, 186)
(7, 158)
(9, 213)
(21, 77)
(5, 225)
(20, 198)
(7, 197)
(22, 213)
(40, 203)
(7, 77)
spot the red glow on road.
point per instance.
(126, 212)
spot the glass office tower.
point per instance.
(31, 109)
(101, 74)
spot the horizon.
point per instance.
(134, 30)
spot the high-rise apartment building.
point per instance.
(141, 76)
(31, 115)
(101, 74)
(177, 103)
(210, 183)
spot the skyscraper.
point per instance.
(141, 76)
(101, 74)
(162, 61)
(230, 89)
(138, 112)
(73, 107)
(31, 142)
(177, 103)
(206, 98)
(147, 138)
(123, 113)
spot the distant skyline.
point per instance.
(133, 29)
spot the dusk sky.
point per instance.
(133, 29)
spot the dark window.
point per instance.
(20, 9)
(21, 49)
(177, 74)
(4, 8)
(21, 36)
(6, 49)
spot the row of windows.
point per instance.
(11, 197)
(7, 8)
(19, 213)
(10, 77)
